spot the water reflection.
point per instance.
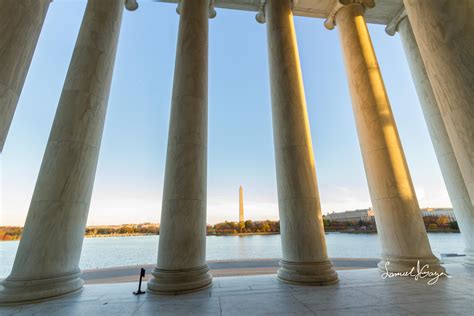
(129, 251)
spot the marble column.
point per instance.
(444, 32)
(448, 164)
(47, 261)
(182, 263)
(20, 24)
(400, 226)
(305, 259)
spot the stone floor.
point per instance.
(359, 292)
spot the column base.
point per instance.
(406, 264)
(307, 273)
(18, 291)
(175, 282)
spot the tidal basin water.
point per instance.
(128, 251)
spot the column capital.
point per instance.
(212, 8)
(131, 5)
(392, 26)
(260, 16)
(330, 22)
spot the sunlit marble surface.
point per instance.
(382, 13)
(400, 225)
(359, 292)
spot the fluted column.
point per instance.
(305, 257)
(444, 32)
(448, 164)
(400, 226)
(20, 24)
(47, 260)
(181, 263)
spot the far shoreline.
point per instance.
(354, 232)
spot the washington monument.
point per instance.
(241, 204)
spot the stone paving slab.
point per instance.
(217, 268)
(359, 292)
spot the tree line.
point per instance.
(140, 229)
(432, 223)
(230, 228)
(14, 233)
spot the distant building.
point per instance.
(241, 204)
(438, 212)
(366, 215)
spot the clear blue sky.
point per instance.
(129, 179)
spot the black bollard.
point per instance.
(142, 275)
